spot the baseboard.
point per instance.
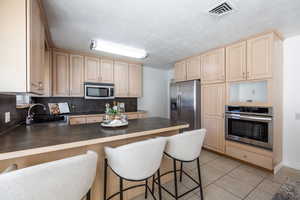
(294, 165)
(277, 168)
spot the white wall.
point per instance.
(155, 92)
(291, 134)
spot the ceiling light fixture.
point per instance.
(114, 48)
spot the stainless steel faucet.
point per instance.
(29, 117)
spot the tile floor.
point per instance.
(227, 179)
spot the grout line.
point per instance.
(255, 187)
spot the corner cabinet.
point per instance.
(76, 75)
(213, 103)
(213, 66)
(135, 80)
(61, 74)
(22, 47)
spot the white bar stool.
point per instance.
(134, 162)
(66, 179)
(185, 147)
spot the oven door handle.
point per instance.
(252, 118)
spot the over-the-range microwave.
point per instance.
(99, 91)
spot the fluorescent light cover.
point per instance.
(114, 48)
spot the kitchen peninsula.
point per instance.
(39, 143)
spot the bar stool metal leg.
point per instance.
(121, 188)
(199, 176)
(153, 183)
(105, 178)
(175, 179)
(146, 188)
(159, 186)
(181, 171)
(88, 195)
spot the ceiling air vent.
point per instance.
(222, 8)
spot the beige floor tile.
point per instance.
(213, 192)
(224, 164)
(259, 195)
(246, 176)
(181, 189)
(284, 175)
(256, 170)
(269, 186)
(235, 186)
(207, 156)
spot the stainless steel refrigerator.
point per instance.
(186, 103)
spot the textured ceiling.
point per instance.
(167, 29)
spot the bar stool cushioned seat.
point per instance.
(66, 179)
(135, 162)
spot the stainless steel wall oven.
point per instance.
(251, 125)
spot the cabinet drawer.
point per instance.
(251, 157)
(78, 120)
(95, 119)
(133, 116)
(143, 115)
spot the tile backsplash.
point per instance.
(81, 105)
(8, 104)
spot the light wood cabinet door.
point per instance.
(121, 79)
(61, 74)
(107, 71)
(213, 66)
(193, 68)
(259, 53)
(236, 62)
(213, 100)
(212, 116)
(36, 48)
(135, 80)
(180, 71)
(215, 135)
(76, 75)
(92, 69)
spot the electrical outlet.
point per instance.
(7, 117)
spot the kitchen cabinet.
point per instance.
(48, 73)
(213, 108)
(213, 66)
(121, 71)
(76, 76)
(236, 69)
(259, 57)
(135, 80)
(22, 47)
(61, 74)
(92, 69)
(180, 71)
(193, 68)
(107, 71)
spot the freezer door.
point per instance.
(174, 101)
(187, 104)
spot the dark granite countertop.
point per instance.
(57, 133)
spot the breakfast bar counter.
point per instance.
(30, 145)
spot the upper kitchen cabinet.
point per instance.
(107, 71)
(99, 70)
(180, 71)
(193, 68)
(121, 71)
(22, 47)
(92, 69)
(236, 62)
(61, 74)
(259, 57)
(76, 75)
(135, 80)
(213, 66)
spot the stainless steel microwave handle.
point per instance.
(254, 118)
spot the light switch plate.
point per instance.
(7, 117)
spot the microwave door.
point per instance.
(97, 92)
